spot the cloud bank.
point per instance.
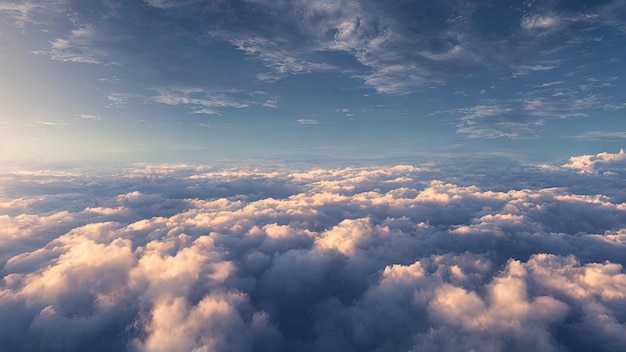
(198, 258)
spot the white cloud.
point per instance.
(27, 12)
(118, 100)
(492, 121)
(200, 101)
(602, 162)
(540, 22)
(192, 257)
(527, 69)
(520, 118)
(271, 103)
(308, 121)
(78, 47)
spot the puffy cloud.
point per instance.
(602, 162)
(182, 258)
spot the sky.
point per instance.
(255, 175)
(196, 80)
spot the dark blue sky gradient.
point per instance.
(161, 80)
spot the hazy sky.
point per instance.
(198, 80)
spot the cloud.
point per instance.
(491, 121)
(192, 257)
(398, 55)
(118, 100)
(26, 13)
(522, 118)
(304, 33)
(526, 69)
(308, 121)
(601, 135)
(160, 4)
(80, 46)
(600, 163)
(200, 101)
(271, 103)
(377, 44)
(89, 117)
(540, 22)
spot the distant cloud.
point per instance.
(602, 162)
(308, 121)
(271, 103)
(491, 121)
(526, 69)
(89, 117)
(550, 84)
(24, 12)
(600, 135)
(78, 47)
(200, 101)
(120, 100)
(540, 22)
(523, 118)
(161, 4)
(169, 257)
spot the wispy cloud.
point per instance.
(308, 121)
(79, 47)
(119, 100)
(527, 69)
(161, 4)
(200, 101)
(369, 37)
(492, 121)
(601, 135)
(271, 103)
(549, 84)
(90, 117)
(540, 22)
(27, 12)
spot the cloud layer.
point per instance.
(182, 258)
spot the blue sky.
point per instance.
(195, 80)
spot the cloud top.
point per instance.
(356, 259)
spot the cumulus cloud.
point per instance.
(602, 162)
(198, 258)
